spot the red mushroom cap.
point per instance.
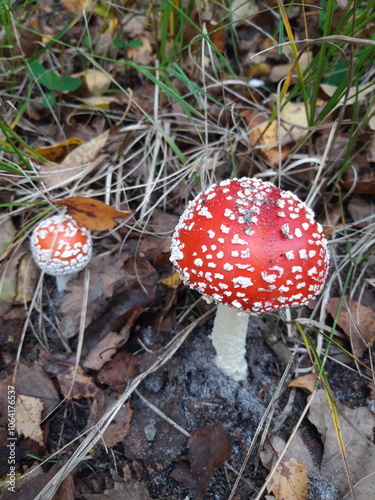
(61, 246)
(247, 244)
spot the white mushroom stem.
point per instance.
(62, 281)
(229, 340)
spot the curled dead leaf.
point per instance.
(305, 382)
(59, 151)
(103, 351)
(93, 214)
(88, 151)
(77, 164)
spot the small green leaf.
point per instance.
(135, 43)
(6, 290)
(119, 43)
(48, 100)
(337, 74)
(69, 84)
(52, 80)
(47, 78)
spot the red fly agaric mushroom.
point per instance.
(61, 247)
(251, 248)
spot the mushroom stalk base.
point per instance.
(229, 340)
(62, 281)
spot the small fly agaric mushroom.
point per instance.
(251, 248)
(61, 247)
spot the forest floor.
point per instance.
(108, 387)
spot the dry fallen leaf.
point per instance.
(142, 54)
(280, 71)
(360, 452)
(66, 490)
(294, 121)
(359, 179)
(73, 383)
(134, 24)
(77, 6)
(88, 151)
(119, 427)
(304, 382)
(54, 176)
(298, 449)
(125, 487)
(12, 321)
(355, 93)
(83, 159)
(357, 321)
(7, 235)
(106, 276)
(242, 11)
(93, 214)
(59, 151)
(289, 481)
(172, 281)
(103, 351)
(19, 279)
(77, 164)
(264, 137)
(209, 448)
(97, 80)
(33, 381)
(361, 211)
(98, 101)
(83, 386)
(118, 371)
(28, 417)
(217, 35)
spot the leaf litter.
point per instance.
(187, 429)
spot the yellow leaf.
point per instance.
(58, 152)
(98, 101)
(172, 281)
